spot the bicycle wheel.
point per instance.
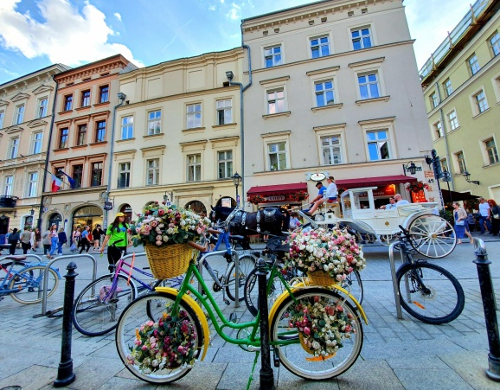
(432, 236)
(251, 292)
(354, 285)
(296, 358)
(153, 307)
(28, 284)
(94, 313)
(430, 293)
(247, 264)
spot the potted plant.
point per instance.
(256, 199)
(417, 186)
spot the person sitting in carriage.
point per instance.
(329, 196)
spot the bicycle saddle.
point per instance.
(16, 257)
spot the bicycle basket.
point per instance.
(168, 261)
(321, 278)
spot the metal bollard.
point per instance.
(489, 305)
(266, 372)
(65, 374)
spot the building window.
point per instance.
(154, 122)
(68, 102)
(96, 174)
(225, 162)
(491, 150)
(42, 108)
(78, 175)
(153, 174)
(444, 165)
(331, 150)
(32, 182)
(361, 38)
(453, 120)
(320, 47)
(275, 101)
(438, 129)
(9, 183)
(378, 145)
(325, 94)
(194, 167)
(100, 133)
(473, 64)
(18, 119)
(127, 127)
(272, 56)
(63, 138)
(37, 143)
(448, 89)
(86, 98)
(2, 117)
(14, 147)
(495, 44)
(481, 102)
(193, 117)
(461, 162)
(124, 175)
(103, 94)
(368, 86)
(224, 111)
(434, 100)
(277, 156)
(82, 135)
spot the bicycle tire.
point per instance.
(92, 316)
(28, 284)
(247, 264)
(251, 292)
(139, 312)
(436, 305)
(295, 358)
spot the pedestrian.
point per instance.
(495, 217)
(461, 224)
(485, 214)
(26, 240)
(96, 234)
(38, 238)
(294, 220)
(117, 231)
(62, 239)
(13, 240)
(46, 242)
(75, 238)
(54, 238)
(84, 240)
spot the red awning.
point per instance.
(374, 181)
(277, 189)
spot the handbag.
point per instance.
(496, 216)
(460, 223)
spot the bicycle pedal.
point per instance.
(276, 359)
(233, 318)
(226, 301)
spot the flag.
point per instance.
(70, 179)
(56, 183)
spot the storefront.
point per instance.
(278, 195)
(87, 216)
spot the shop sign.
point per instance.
(276, 198)
(108, 205)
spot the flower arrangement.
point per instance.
(163, 225)
(256, 199)
(298, 196)
(322, 326)
(168, 343)
(334, 252)
(417, 186)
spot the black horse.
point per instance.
(271, 220)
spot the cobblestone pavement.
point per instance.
(396, 354)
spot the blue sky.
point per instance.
(37, 33)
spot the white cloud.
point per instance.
(65, 35)
(234, 12)
(118, 16)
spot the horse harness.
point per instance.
(239, 217)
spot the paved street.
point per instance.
(397, 354)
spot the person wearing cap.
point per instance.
(330, 196)
(118, 231)
(321, 190)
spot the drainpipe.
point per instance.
(242, 125)
(40, 212)
(121, 97)
(445, 135)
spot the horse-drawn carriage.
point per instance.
(431, 235)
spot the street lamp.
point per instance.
(32, 211)
(237, 181)
(467, 178)
(410, 167)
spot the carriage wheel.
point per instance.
(432, 236)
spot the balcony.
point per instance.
(8, 201)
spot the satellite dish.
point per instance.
(318, 176)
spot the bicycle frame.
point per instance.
(10, 273)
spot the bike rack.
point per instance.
(46, 280)
(394, 279)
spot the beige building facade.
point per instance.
(335, 90)
(461, 84)
(25, 118)
(177, 135)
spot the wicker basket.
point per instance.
(321, 278)
(308, 349)
(168, 261)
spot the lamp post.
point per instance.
(237, 182)
(410, 167)
(467, 178)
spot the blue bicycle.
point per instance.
(23, 280)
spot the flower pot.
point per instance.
(168, 261)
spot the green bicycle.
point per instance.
(142, 336)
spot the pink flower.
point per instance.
(161, 212)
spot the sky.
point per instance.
(37, 33)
